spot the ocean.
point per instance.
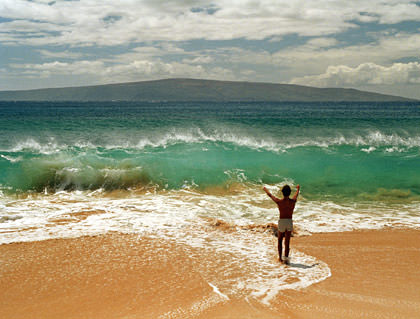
(182, 170)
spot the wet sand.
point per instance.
(375, 274)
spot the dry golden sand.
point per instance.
(375, 274)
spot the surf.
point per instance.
(352, 158)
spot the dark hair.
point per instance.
(286, 190)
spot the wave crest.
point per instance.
(370, 140)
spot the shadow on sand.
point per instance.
(302, 266)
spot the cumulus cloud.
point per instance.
(134, 70)
(60, 54)
(205, 59)
(364, 74)
(314, 59)
(148, 39)
(317, 43)
(317, 54)
(45, 70)
(398, 11)
(90, 22)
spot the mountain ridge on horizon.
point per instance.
(195, 90)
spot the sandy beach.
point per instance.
(375, 274)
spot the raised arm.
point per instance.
(274, 198)
(297, 193)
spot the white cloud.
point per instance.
(89, 22)
(395, 12)
(238, 55)
(60, 54)
(205, 59)
(45, 70)
(317, 54)
(120, 72)
(364, 74)
(157, 30)
(310, 59)
(317, 43)
(159, 50)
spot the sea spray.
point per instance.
(344, 171)
(176, 162)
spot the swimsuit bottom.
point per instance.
(285, 224)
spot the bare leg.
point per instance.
(287, 242)
(280, 242)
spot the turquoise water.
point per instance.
(177, 170)
(346, 151)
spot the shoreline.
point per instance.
(375, 274)
(128, 276)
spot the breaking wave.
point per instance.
(368, 140)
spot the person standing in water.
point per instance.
(286, 206)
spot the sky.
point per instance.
(370, 45)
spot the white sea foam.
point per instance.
(186, 216)
(245, 263)
(367, 140)
(33, 145)
(11, 158)
(371, 139)
(171, 210)
(217, 291)
(197, 135)
(369, 149)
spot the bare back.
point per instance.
(286, 207)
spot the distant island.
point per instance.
(197, 90)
